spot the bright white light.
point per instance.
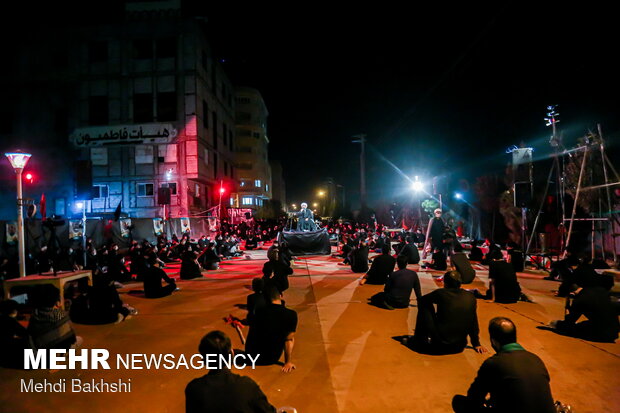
(79, 205)
(458, 195)
(417, 185)
(18, 160)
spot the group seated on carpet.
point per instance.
(382, 266)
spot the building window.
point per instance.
(243, 100)
(257, 183)
(167, 106)
(242, 183)
(197, 190)
(99, 156)
(232, 201)
(143, 107)
(244, 117)
(97, 51)
(206, 156)
(246, 200)
(205, 114)
(100, 191)
(214, 133)
(215, 164)
(142, 49)
(144, 154)
(259, 201)
(266, 187)
(166, 47)
(172, 186)
(145, 189)
(98, 110)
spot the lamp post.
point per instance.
(18, 162)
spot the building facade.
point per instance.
(251, 156)
(145, 101)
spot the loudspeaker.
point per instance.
(83, 180)
(163, 196)
(522, 164)
(523, 194)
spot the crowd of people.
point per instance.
(512, 380)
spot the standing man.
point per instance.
(516, 380)
(306, 218)
(434, 233)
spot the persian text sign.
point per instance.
(123, 135)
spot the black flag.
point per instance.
(117, 213)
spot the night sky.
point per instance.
(437, 89)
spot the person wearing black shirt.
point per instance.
(189, 265)
(434, 233)
(593, 302)
(209, 260)
(515, 256)
(503, 284)
(476, 253)
(221, 391)
(410, 250)
(515, 380)
(459, 262)
(359, 258)
(275, 272)
(400, 284)
(152, 282)
(252, 242)
(13, 336)
(272, 332)
(256, 300)
(382, 266)
(445, 330)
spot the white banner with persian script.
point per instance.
(125, 224)
(75, 228)
(185, 226)
(11, 232)
(147, 133)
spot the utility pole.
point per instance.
(361, 138)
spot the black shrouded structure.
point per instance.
(307, 243)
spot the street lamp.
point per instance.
(417, 185)
(321, 193)
(18, 162)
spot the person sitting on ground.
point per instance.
(382, 266)
(410, 250)
(252, 242)
(460, 263)
(445, 330)
(220, 390)
(475, 254)
(49, 326)
(13, 336)
(209, 260)
(400, 244)
(272, 332)
(503, 284)
(438, 261)
(359, 258)
(152, 282)
(514, 380)
(100, 304)
(275, 272)
(189, 265)
(592, 301)
(515, 256)
(256, 301)
(400, 284)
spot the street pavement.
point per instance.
(347, 352)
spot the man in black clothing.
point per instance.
(152, 281)
(434, 233)
(275, 272)
(516, 380)
(400, 284)
(221, 391)
(410, 250)
(359, 258)
(445, 331)
(382, 266)
(460, 262)
(13, 336)
(503, 284)
(273, 331)
(209, 260)
(591, 301)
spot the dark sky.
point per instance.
(437, 89)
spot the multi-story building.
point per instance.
(278, 187)
(252, 161)
(145, 101)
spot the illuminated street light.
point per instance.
(321, 193)
(18, 162)
(417, 185)
(458, 195)
(315, 205)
